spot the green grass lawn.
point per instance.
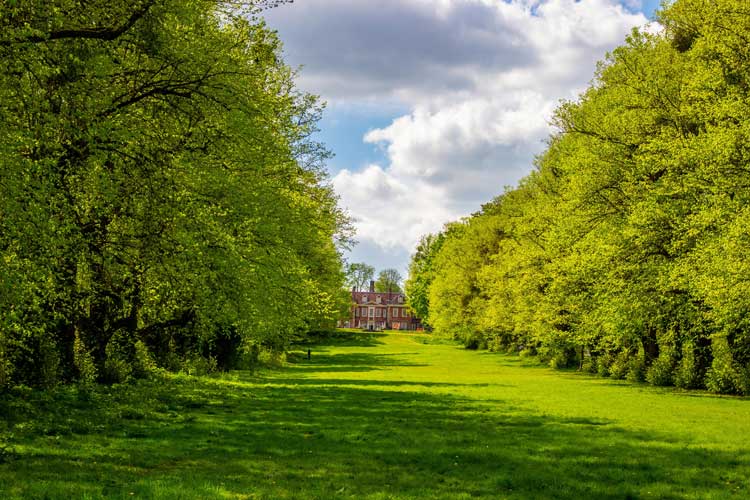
(378, 416)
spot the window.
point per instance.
(377, 313)
(377, 299)
(356, 311)
(400, 299)
(364, 299)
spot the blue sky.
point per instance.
(434, 106)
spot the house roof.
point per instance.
(385, 297)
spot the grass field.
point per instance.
(378, 416)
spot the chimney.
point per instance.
(372, 286)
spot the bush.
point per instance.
(118, 366)
(722, 377)
(84, 363)
(661, 372)
(48, 363)
(559, 360)
(603, 364)
(743, 380)
(619, 367)
(198, 365)
(268, 357)
(144, 365)
(688, 373)
(496, 344)
(7, 450)
(6, 366)
(637, 369)
(589, 365)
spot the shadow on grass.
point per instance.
(250, 438)
(345, 339)
(384, 383)
(350, 362)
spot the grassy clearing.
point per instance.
(379, 416)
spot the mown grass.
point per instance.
(378, 416)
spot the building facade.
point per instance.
(373, 310)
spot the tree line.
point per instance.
(163, 202)
(626, 251)
(360, 274)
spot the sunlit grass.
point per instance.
(379, 416)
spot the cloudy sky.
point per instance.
(434, 106)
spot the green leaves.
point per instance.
(158, 181)
(632, 229)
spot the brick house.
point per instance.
(373, 310)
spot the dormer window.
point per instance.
(400, 299)
(364, 299)
(377, 299)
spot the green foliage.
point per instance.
(359, 274)
(633, 227)
(637, 369)
(389, 280)
(84, 363)
(662, 371)
(159, 182)
(603, 365)
(620, 366)
(723, 376)
(196, 365)
(7, 450)
(421, 274)
(144, 365)
(688, 374)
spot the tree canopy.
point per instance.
(625, 252)
(359, 275)
(389, 281)
(160, 189)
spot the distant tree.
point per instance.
(421, 274)
(389, 280)
(359, 274)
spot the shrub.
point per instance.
(196, 364)
(722, 377)
(7, 450)
(743, 379)
(559, 360)
(84, 363)
(637, 368)
(118, 366)
(589, 365)
(48, 363)
(603, 364)
(661, 372)
(6, 366)
(618, 369)
(144, 365)
(495, 344)
(688, 373)
(268, 357)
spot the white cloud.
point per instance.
(481, 77)
(388, 210)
